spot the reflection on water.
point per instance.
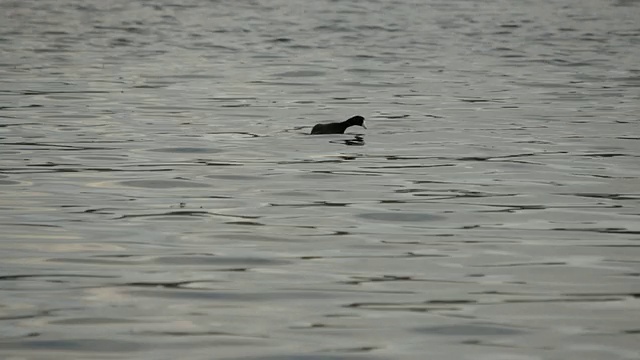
(357, 140)
(159, 195)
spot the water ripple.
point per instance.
(161, 197)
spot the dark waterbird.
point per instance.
(338, 128)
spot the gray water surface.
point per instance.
(160, 197)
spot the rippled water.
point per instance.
(160, 197)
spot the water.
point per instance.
(159, 196)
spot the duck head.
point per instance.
(356, 120)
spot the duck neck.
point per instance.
(345, 124)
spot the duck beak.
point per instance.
(363, 126)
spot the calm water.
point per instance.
(160, 197)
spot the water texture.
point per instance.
(160, 197)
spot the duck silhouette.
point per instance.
(338, 127)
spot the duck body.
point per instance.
(338, 127)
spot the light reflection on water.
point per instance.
(160, 196)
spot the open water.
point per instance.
(160, 197)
